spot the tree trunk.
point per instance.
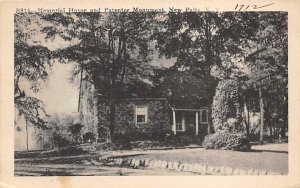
(112, 120)
(261, 104)
(26, 135)
(79, 97)
(248, 120)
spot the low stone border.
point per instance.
(197, 168)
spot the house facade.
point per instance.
(142, 118)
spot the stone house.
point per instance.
(145, 118)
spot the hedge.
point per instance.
(227, 141)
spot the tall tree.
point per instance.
(31, 61)
(200, 40)
(268, 67)
(112, 49)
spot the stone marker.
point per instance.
(262, 172)
(183, 166)
(210, 169)
(216, 170)
(229, 171)
(273, 173)
(256, 172)
(176, 165)
(120, 161)
(236, 172)
(170, 165)
(204, 169)
(164, 164)
(195, 168)
(137, 163)
(132, 162)
(147, 161)
(159, 163)
(222, 171)
(250, 171)
(243, 172)
(151, 164)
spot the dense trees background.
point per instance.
(241, 51)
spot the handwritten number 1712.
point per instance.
(239, 7)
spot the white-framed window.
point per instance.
(179, 127)
(204, 116)
(180, 122)
(141, 114)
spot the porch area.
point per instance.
(191, 121)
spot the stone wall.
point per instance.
(94, 115)
(197, 168)
(159, 119)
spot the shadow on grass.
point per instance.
(271, 151)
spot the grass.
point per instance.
(271, 157)
(269, 161)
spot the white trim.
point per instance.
(146, 113)
(183, 122)
(174, 122)
(197, 123)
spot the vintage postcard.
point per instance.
(194, 93)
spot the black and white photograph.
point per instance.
(150, 92)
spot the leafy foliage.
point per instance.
(60, 141)
(89, 137)
(269, 66)
(199, 40)
(227, 104)
(112, 49)
(31, 61)
(31, 108)
(184, 89)
(113, 52)
(75, 129)
(227, 141)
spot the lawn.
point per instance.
(270, 157)
(261, 158)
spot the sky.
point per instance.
(58, 93)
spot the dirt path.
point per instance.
(88, 170)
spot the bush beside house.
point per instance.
(227, 141)
(227, 138)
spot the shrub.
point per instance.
(226, 140)
(108, 146)
(89, 137)
(60, 141)
(75, 129)
(184, 140)
(227, 103)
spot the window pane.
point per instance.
(141, 114)
(179, 126)
(141, 118)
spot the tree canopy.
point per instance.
(31, 61)
(114, 51)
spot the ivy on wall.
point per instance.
(227, 104)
